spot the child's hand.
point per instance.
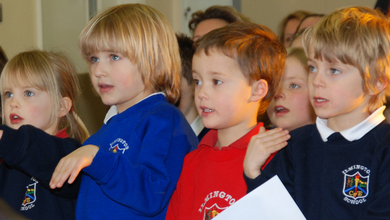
(260, 147)
(71, 165)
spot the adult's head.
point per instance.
(289, 25)
(214, 17)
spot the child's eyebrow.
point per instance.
(28, 87)
(219, 73)
(295, 77)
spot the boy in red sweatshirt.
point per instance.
(236, 70)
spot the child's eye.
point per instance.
(28, 93)
(197, 82)
(8, 94)
(312, 68)
(114, 57)
(94, 59)
(335, 71)
(217, 82)
(294, 86)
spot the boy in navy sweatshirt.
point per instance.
(339, 167)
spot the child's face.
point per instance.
(116, 79)
(336, 93)
(222, 92)
(291, 107)
(27, 105)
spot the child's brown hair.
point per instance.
(257, 50)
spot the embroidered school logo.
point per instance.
(30, 196)
(119, 145)
(356, 185)
(211, 212)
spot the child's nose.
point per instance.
(15, 103)
(318, 81)
(201, 92)
(99, 70)
(279, 94)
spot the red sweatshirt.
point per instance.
(211, 179)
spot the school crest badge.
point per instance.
(211, 212)
(119, 145)
(30, 196)
(356, 186)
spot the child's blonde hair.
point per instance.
(144, 35)
(299, 54)
(357, 36)
(50, 72)
(257, 50)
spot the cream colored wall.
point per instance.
(20, 26)
(270, 13)
(62, 23)
(170, 9)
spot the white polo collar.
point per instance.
(357, 131)
(197, 125)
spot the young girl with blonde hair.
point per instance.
(38, 92)
(131, 165)
(290, 108)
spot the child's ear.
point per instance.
(259, 90)
(66, 106)
(380, 85)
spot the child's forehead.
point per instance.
(215, 53)
(216, 63)
(294, 68)
(214, 58)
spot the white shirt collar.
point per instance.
(197, 125)
(114, 109)
(357, 131)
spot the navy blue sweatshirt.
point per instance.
(337, 179)
(30, 156)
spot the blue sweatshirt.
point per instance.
(140, 157)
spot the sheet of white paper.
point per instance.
(268, 201)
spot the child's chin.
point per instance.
(210, 126)
(14, 126)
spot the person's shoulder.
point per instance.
(382, 129)
(381, 133)
(382, 136)
(162, 107)
(194, 158)
(303, 132)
